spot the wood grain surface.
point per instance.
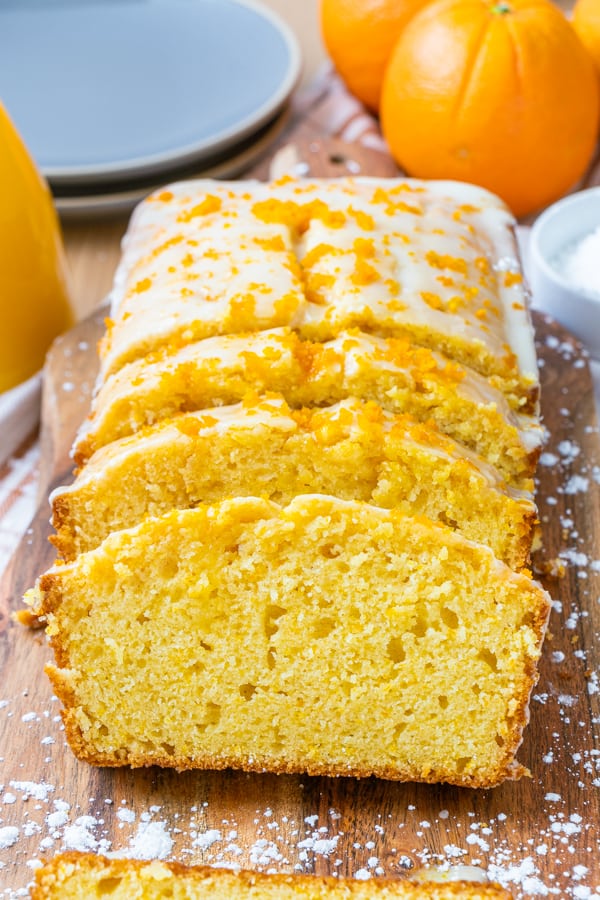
(539, 835)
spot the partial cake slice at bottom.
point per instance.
(81, 876)
(330, 637)
(261, 447)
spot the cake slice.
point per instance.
(353, 450)
(329, 637)
(435, 262)
(81, 876)
(391, 372)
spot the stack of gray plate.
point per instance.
(116, 97)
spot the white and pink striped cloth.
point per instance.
(18, 493)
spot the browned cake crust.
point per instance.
(72, 876)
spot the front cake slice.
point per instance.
(329, 637)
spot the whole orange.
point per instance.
(586, 22)
(360, 36)
(501, 94)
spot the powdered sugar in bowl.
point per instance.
(565, 265)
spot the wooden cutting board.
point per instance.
(539, 835)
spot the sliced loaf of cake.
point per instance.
(322, 578)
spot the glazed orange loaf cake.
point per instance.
(249, 635)
(353, 450)
(80, 876)
(432, 261)
(303, 514)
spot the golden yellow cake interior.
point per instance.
(353, 450)
(249, 635)
(81, 876)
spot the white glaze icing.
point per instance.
(432, 244)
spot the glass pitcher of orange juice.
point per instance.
(34, 302)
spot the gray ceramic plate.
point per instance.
(108, 89)
(108, 200)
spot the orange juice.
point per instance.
(34, 303)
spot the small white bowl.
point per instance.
(559, 227)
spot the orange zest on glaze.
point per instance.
(144, 285)
(362, 219)
(434, 301)
(512, 278)
(275, 243)
(297, 215)
(445, 261)
(317, 253)
(210, 204)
